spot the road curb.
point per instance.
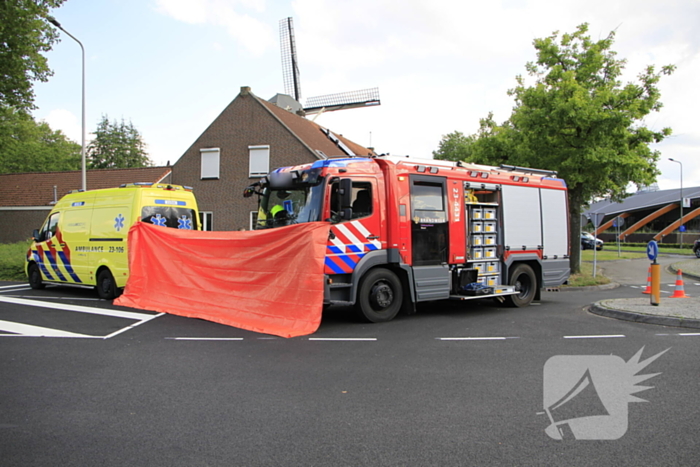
(675, 269)
(598, 309)
(608, 286)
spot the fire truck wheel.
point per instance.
(380, 296)
(35, 281)
(106, 288)
(525, 282)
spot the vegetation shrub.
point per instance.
(12, 257)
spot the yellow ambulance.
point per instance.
(83, 241)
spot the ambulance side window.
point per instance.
(50, 227)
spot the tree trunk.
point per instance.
(575, 203)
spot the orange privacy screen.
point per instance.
(268, 281)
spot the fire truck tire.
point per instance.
(106, 287)
(525, 282)
(35, 281)
(380, 296)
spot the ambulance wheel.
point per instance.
(35, 280)
(380, 296)
(525, 282)
(106, 288)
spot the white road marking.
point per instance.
(689, 334)
(14, 286)
(594, 337)
(56, 298)
(475, 338)
(76, 308)
(150, 317)
(347, 339)
(204, 338)
(28, 330)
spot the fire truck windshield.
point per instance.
(294, 205)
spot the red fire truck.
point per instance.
(405, 230)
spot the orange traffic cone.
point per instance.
(679, 292)
(648, 289)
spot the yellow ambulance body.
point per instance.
(83, 241)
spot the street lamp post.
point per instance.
(680, 227)
(53, 21)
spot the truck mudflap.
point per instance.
(486, 292)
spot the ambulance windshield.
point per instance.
(280, 207)
(169, 216)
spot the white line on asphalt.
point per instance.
(475, 338)
(689, 334)
(28, 330)
(204, 338)
(150, 317)
(77, 308)
(56, 298)
(342, 339)
(594, 337)
(14, 286)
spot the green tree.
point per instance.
(578, 119)
(24, 35)
(28, 146)
(117, 145)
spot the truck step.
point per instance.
(498, 291)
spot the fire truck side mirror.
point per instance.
(345, 193)
(250, 190)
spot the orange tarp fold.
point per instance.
(268, 281)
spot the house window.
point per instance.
(259, 161)
(210, 163)
(206, 220)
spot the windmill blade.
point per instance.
(290, 68)
(342, 100)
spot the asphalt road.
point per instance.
(454, 384)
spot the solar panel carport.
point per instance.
(657, 212)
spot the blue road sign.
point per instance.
(652, 250)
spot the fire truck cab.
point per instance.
(405, 230)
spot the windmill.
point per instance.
(315, 105)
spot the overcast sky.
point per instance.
(171, 66)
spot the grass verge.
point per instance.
(585, 277)
(12, 261)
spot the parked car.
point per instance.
(696, 248)
(587, 242)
